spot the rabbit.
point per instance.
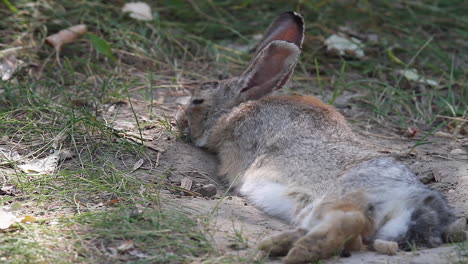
(297, 159)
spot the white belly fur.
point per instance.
(270, 197)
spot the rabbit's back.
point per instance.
(306, 140)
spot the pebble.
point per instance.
(208, 190)
(457, 151)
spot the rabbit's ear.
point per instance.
(288, 26)
(269, 70)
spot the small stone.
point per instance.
(458, 152)
(165, 192)
(426, 177)
(208, 190)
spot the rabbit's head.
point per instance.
(270, 69)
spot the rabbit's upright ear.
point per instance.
(275, 59)
(288, 26)
(269, 71)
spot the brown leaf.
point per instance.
(66, 36)
(114, 201)
(125, 246)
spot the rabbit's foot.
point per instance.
(455, 232)
(279, 244)
(340, 232)
(385, 247)
(320, 245)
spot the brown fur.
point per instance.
(344, 226)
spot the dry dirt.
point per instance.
(443, 165)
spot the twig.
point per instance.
(453, 118)
(157, 158)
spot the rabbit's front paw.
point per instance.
(280, 244)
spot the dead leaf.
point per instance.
(28, 219)
(137, 165)
(7, 218)
(7, 156)
(412, 75)
(125, 246)
(114, 201)
(138, 254)
(344, 46)
(9, 66)
(186, 183)
(138, 11)
(66, 36)
(437, 175)
(458, 151)
(46, 165)
(444, 135)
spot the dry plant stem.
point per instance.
(453, 118)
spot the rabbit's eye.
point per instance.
(197, 101)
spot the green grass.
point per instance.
(462, 250)
(58, 104)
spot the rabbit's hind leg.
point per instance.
(278, 245)
(342, 227)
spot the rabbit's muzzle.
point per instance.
(181, 121)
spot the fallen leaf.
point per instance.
(137, 165)
(28, 219)
(138, 254)
(7, 156)
(437, 175)
(125, 246)
(412, 75)
(7, 218)
(344, 46)
(138, 11)
(46, 165)
(186, 183)
(443, 134)
(66, 36)
(9, 66)
(114, 201)
(458, 151)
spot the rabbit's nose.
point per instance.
(181, 120)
